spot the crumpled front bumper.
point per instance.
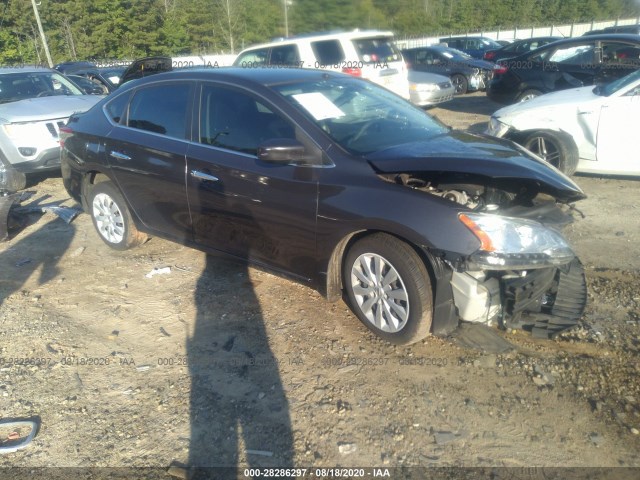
(544, 301)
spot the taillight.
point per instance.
(356, 72)
(489, 55)
(65, 131)
(499, 69)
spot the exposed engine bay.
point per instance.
(543, 300)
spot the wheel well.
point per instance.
(336, 262)
(520, 136)
(90, 179)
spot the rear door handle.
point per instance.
(203, 176)
(119, 156)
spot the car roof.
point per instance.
(439, 48)
(464, 36)
(69, 66)
(542, 37)
(255, 76)
(355, 34)
(26, 69)
(601, 36)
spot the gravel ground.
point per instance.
(217, 364)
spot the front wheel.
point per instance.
(557, 148)
(112, 219)
(389, 289)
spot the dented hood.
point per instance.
(477, 156)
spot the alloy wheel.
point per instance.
(108, 218)
(380, 292)
(545, 148)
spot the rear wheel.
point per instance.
(388, 288)
(111, 217)
(557, 148)
(460, 83)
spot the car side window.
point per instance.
(253, 58)
(574, 55)
(328, 52)
(115, 108)
(160, 109)
(284, 55)
(620, 54)
(236, 121)
(424, 58)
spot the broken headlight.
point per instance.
(515, 243)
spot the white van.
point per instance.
(368, 54)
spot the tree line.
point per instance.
(127, 29)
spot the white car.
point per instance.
(587, 129)
(34, 104)
(427, 89)
(370, 54)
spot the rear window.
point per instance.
(377, 50)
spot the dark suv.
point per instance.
(570, 63)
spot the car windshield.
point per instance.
(613, 87)
(24, 85)
(359, 116)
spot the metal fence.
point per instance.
(572, 30)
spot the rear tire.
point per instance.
(556, 148)
(111, 217)
(460, 83)
(389, 289)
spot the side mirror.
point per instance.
(281, 150)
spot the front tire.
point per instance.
(389, 289)
(557, 148)
(111, 217)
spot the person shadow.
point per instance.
(239, 411)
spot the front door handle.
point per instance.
(203, 176)
(119, 156)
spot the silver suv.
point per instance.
(370, 54)
(34, 103)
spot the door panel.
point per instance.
(240, 205)
(148, 158)
(618, 147)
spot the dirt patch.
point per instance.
(214, 363)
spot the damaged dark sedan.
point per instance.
(336, 183)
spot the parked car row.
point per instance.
(569, 63)
(467, 74)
